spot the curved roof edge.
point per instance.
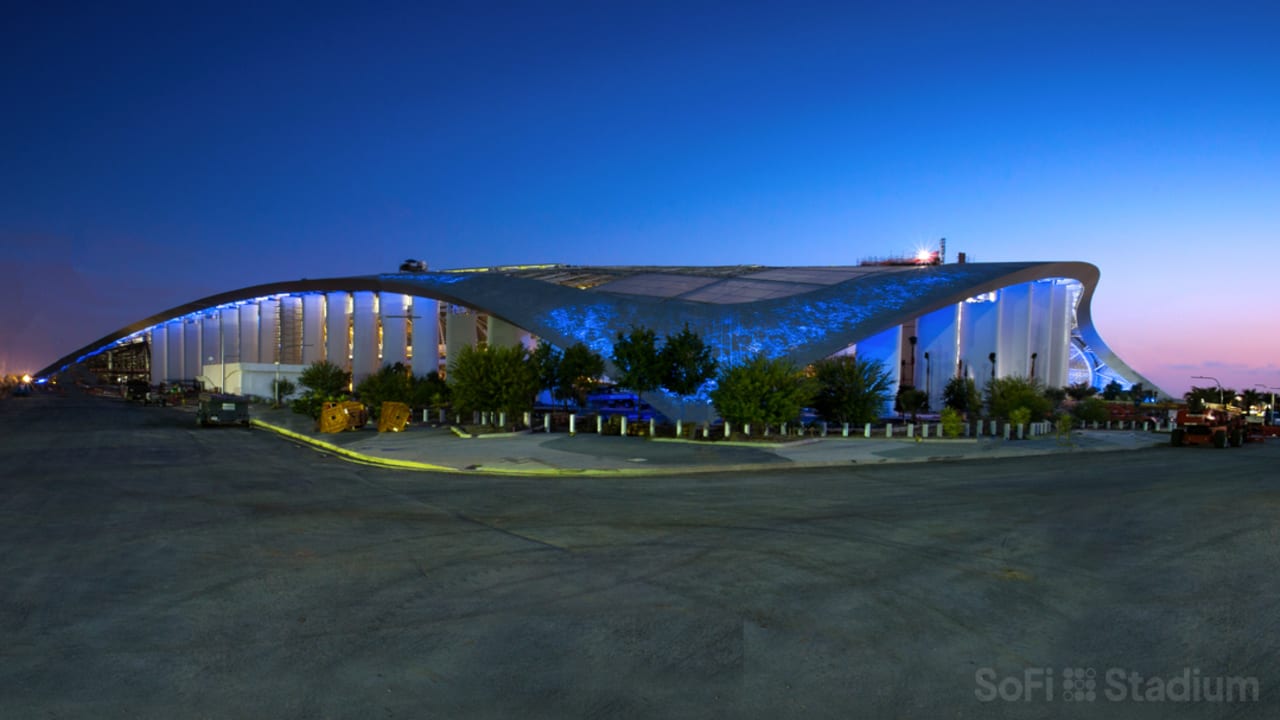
(803, 327)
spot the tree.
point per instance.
(1112, 391)
(850, 389)
(1092, 409)
(912, 400)
(579, 371)
(392, 383)
(1137, 395)
(325, 378)
(1198, 396)
(1007, 394)
(638, 360)
(961, 394)
(495, 379)
(546, 361)
(686, 362)
(429, 391)
(281, 389)
(1080, 391)
(1056, 396)
(325, 382)
(761, 391)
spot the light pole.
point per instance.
(928, 375)
(1215, 381)
(1273, 390)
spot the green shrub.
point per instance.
(851, 390)
(1020, 416)
(961, 393)
(1092, 409)
(762, 392)
(1007, 394)
(952, 423)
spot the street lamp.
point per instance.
(1273, 390)
(928, 374)
(1215, 381)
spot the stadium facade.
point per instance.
(927, 322)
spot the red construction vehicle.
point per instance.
(1217, 425)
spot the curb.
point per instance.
(636, 472)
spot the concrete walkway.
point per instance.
(422, 447)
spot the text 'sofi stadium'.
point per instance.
(927, 321)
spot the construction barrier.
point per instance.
(393, 417)
(339, 417)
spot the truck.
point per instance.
(222, 409)
(1217, 425)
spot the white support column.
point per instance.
(459, 332)
(395, 310)
(364, 337)
(978, 330)
(1013, 341)
(938, 340)
(1059, 331)
(337, 349)
(248, 334)
(173, 366)
(209, 349)
(159, 354)
(502, 333)
(1038, 332)
(313, 348)
(230, 349)
(426, 335)
(191, 332)
(268, 330)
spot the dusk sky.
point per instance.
(150, 156)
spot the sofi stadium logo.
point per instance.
(1089, 685)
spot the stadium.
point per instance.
(926, 320)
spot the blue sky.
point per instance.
(155, 154)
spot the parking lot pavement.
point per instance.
(153, 569)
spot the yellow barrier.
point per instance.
(393, 417)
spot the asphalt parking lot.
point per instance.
(156, 570)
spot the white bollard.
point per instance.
(528, 419)
(1020, 434)
(784, 429)
(866, 430)
(424, 414)
(824, 428)
(573, 424)
(925, 430)
(1006, 431)
(599, 425)
(441, 416)
(746, 429)
(650, 427)
(546, 423)
(624, 426)
(911, 430)
(844, 430)
(679, 428)
(888, 430)
(727, 432)
(1145, 426)
(502, 419)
